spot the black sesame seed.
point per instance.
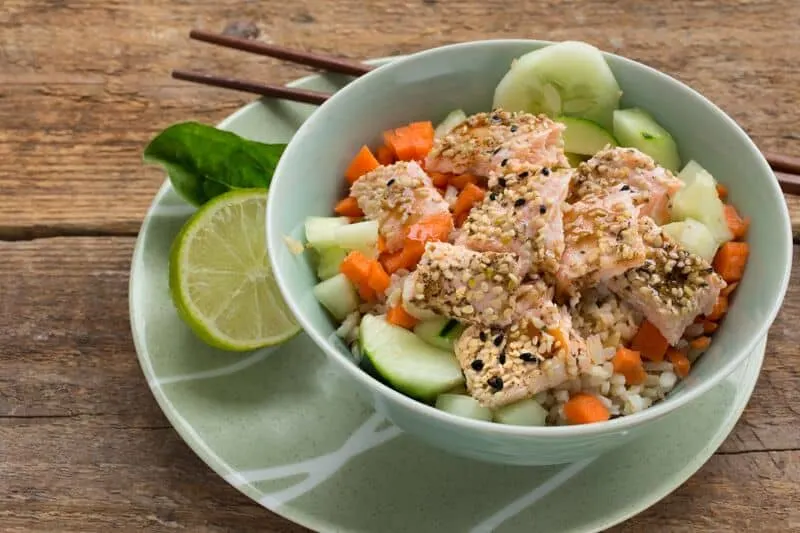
(545, 171)
(513, 128)
(492, 196)
(502, 181)
(495, 382)
(542, 209)
(477, 365)
(524, 174)
(497, 150)
(520, 202)
(502, 357)
(482, 336)
(498, 340)
(527, 357)
(390, 182)
(504, 162)
(625, 188)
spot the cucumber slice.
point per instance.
(521, 413)
(440, 332)
(337, 295)
(691, 171)
(699, 200)
(584, 136)
(575, 159)
(461, 405)
(453, 119)
(694, 236)
(358, 236)
(408, 363)
(636, 128)
(329, 261)
(568, 78)
(321, 231)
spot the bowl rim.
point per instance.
(618, 424)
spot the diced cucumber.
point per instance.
(691, 171)
(329, 260)
(585, 137)
(461, 405)
(636, 128)
(453, 119)
(575, 159)
(694, 236)
(521, 413)
(408, 363)
(337, 295)
(440, 332)
(567, 78)
(699, 200)
(321, 231)
(358, 236)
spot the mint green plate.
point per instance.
(279, 426)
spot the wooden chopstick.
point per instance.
(787, 167)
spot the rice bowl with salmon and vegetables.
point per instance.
(547, 261)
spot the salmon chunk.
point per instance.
(475, 287)
(503, 366)
(397, 196)
(486, 142)
(672, 287)
(627, 169)
(521, 215)
(602, 241)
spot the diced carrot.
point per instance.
(400, 317)
(722, 191)
(736, 224)
(384, 155)
(378, 280)
(440, 179)
(700, 343)
(431, 228)
(709, 327)
(356, 266)
(365, 292)
(362, 163)
(392, 262)
(650, 342)
(348, 208)
(680, 363)
(407, 258)
(720, 308)
(731, 260)
(412, 142)
(729, 289)
(381, 244)
(459, 219)
(585, 409)
(467, 199)
(629, 364)
(461, 180)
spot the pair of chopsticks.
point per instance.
(787, 166)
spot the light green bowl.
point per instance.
(425, 86)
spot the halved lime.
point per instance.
(220, 278)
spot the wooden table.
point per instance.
(84, 85)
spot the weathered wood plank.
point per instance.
(85, 447)
(81, 93)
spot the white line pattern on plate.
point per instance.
(217, 372)
(526, 500)
(319, 468)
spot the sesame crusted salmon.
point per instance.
(627, 169)
(672, 287)
(602, 240)
(475, 287)
(486, 142)
(503, 366)
(521, 215)
(397, 196)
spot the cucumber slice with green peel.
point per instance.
(440, 332)
(329, 261)
(358, 236)
(575, 159)
(521, 413)
(453, 119)
(568, 78)
(461, 405)
(585, 137)
(406, 362)
(337, 295)
(321, 231)
(693, 236)
(636, 128)
(699, 200)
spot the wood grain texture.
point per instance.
(84, 85)
(85, 447)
